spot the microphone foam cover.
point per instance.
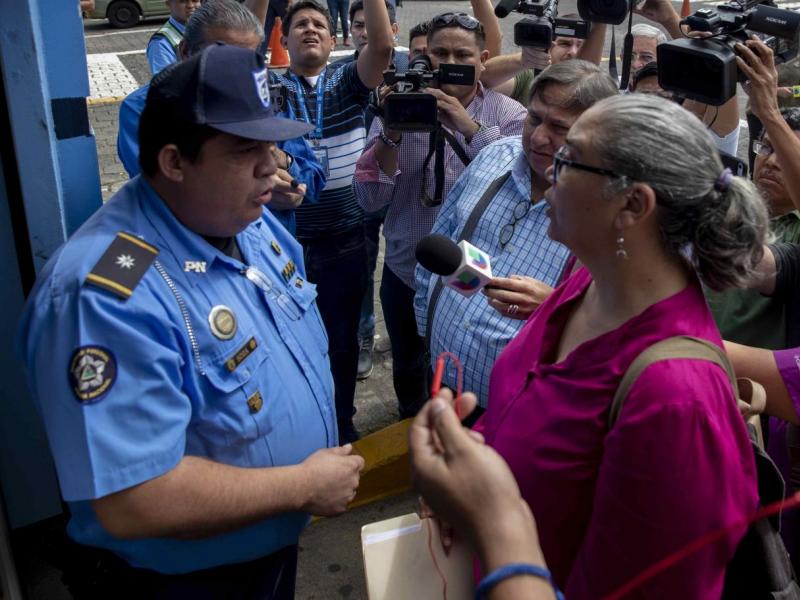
(439, 254)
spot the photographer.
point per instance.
(722, 121)
(393, 172)
(513, 74)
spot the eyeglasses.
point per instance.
(763, 149)
(462, 19)
(520, 212)
(559, 162)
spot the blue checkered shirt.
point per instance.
(469, 327)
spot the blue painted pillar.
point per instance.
(50, 185)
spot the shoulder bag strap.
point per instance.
(466, 233)
(682, 346)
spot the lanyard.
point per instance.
(301, 101)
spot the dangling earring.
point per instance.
(621, 252)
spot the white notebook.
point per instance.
(399, 566)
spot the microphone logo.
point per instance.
(466, 281)
(477, 258)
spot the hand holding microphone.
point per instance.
(517, 296)
(463, 267)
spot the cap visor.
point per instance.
(270, 129)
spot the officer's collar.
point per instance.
(183, 244)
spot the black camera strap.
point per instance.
(438, 137)
(627, 50)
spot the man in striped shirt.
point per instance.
(526, 263)
(393, 172)
(331, 231)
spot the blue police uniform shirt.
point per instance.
(171, 392)
(160, 53)
(305, 167)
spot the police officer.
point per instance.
(178, 358)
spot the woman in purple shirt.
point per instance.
(637, 188)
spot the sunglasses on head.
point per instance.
(462, 19)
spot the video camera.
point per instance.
(612, 12)
(410, 109)
(540, 30)
(705, 69)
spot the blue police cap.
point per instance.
(226, 88)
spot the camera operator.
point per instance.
(512, 74)
(722, 121)
(394, 172)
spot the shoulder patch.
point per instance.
(123, 265)
(92, 372)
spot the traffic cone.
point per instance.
(278, 57)
(686, 9)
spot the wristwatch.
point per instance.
(481, 127)
(390, 142)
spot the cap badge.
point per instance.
(262, 86)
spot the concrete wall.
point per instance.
(49, 186)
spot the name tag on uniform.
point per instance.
(241, 354)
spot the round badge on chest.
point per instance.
(222, 322)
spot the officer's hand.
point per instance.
(332, 475)
(516, 296)
(452, 113)
(284, 195)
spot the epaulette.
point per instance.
(122, 265)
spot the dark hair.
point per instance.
(649, 70)
(418, 30)
(160, 126)
(359, 5)
(296, 7)
(479, 31)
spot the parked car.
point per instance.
(127, 13)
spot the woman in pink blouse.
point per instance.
(637, 188)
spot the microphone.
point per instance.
(462, 266)
(504, 7)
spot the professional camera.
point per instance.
(704, 69)
(410, 109)
(605, 11)
(540, 29)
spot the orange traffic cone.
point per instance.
(686, 9)
(279, 58)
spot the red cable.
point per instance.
(435, 562)
(709, 538)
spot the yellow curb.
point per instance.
(106, 100)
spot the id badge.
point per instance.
(321, 153)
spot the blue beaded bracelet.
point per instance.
(512, 570)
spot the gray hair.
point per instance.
(648, 31)
(218, 14)
(654, 141)
(588, 83)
